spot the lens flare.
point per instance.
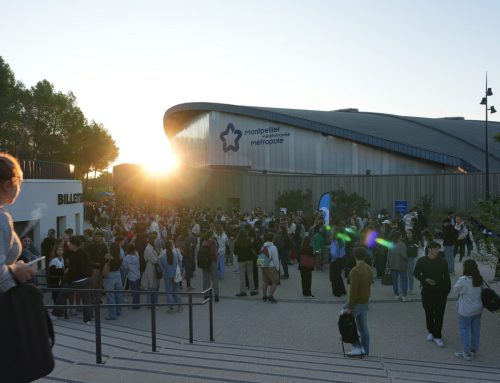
(370, 238)
(350, 230)
(344, 237)
(385, 243)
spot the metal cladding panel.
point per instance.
(237, 141)
(192, 143)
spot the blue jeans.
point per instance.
(469, 329)
(450, 258)
(409, 270)
(396, 275)
(172, 287)
(221, 260)
(150, 295)
(113, 282)
(135, 286)
(360, 313)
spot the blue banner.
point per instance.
(324, 206)
(401, 207)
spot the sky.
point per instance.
(127, 62)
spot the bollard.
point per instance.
(98, 350)
(154, 296)
(211, 314)
(190, 309)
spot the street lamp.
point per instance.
(492, 110)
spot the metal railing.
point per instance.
(206, 295)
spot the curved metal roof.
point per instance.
(452, 142)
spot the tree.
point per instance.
(487, 213)
(295, 200)
(11, 109)
(343, 204)
(41, 123)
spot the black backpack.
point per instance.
(348, 329)
(204, 257)
(491, 300)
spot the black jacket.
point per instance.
(79, 266)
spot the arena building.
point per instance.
(248, 155)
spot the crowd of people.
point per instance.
(139, 249)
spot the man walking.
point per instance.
(359, 295)
(432, 272)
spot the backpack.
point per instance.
(264, 259)
(204, 257)
(347, 328)
(491, 300)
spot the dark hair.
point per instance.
(471, 270)
(9, 168)
(395, 235)
(68, 231)
(170, 252)
(130, 248)
(269, 237)
(75, 241)
(360, 253)
(433, 244)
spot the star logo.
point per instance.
(230, 138)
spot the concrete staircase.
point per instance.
(127, 358)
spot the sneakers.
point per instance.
(406, 299)
(170, 310)
(472, 353)
(430, 338)
(264, 298)
(463, 355)
(271, 299)
(309, 296)
(439, 342)
(241, 294)
(88, 322)
(253, 293)
(397, 297)
(356, 351)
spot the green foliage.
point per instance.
(41, 123)
(295, 200)
(343, 204)
(487, 212)
(426, 205)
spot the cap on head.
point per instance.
(434, 245)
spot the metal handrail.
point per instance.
(97, 305)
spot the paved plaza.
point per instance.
(294, 340)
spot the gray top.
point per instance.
(397, 258)
(10, 249)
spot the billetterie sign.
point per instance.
(69, 199)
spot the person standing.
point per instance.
(412, 246)
(397, 262)
(470, 308)
(170, 260)
(270, 275)
(432, 272)
(133, 268)
(150, 280)
(97, 251)
(318, 245)
(222, 241)
(113, 281)
(47, 245)
(306, 272)
(462, 233)
(337, 256)
(11, 270)
(243, 248)
(359, 296)
(449, 240)
(78, 277)
(210, 274)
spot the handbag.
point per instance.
(105, 270)
(307, 261)
(387, 278)
(27, 335)
(178, 275)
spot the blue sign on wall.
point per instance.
(401, 207)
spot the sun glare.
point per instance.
(159, 159)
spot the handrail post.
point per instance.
(190, 310)
(153, 320)
(98, 350)
(211, 314)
